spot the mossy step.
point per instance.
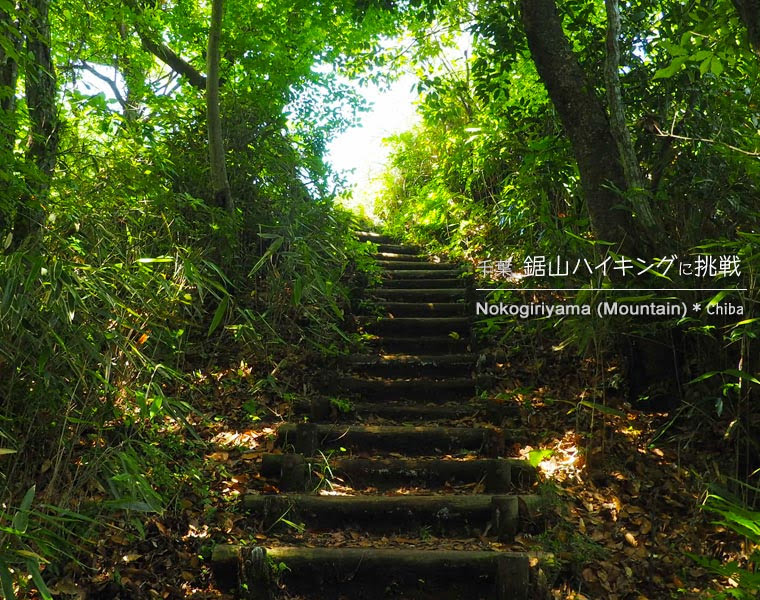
(419, 295)
(405, 365)
(429, 274)
(412, 325)
(414, 389)
(321, 409)
(428, 344)
(399, 249)
(496, 475)
(393, 265)
(425, 309)
(373, 573)
(426, 283)
(399, 256)
(453, 514)
(309, 438)
(375, 238)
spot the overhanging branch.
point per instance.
(174, 61)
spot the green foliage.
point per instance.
(733, 515)
(342, 405)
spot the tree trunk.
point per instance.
(585, 121)
(222, 194)
(9, 52)
(749, 13)
(619, 128)
(42, 148)
(8, 80)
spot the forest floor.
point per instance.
(631, 494)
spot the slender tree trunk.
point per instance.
(584, 119)
(222, 194)
(619, 127)
(9, 51)
(133, 79)
(42, 148)
(8, 80)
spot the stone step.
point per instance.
(400, 256)
(428, 283)
(375, 238)
(417, 389)
(374, 573)
(393, 265)
(419, 295)
(323, 408)
(424, 309)
(399, 249)
(309, 438)
(445, 514)
(425, 274)
(418, 344)
(495, 475)
(406, 365)
(415, 325)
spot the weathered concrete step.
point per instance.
(412, 325)
(425, 309)
(399, 249)
(428, 344)
(309, 438)
(399, 256)
(419, 295)
(375, 573)
(375, 238)
(394, 265)
(418, 389)
(406, 365)
(424, 274)
(497, 475)
(463, 514)
(428, 283)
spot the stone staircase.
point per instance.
(423, 456)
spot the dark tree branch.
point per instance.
(173, 60)
(111, 83)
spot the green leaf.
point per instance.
(716, 66)
(6, 582)
(21, 518)
(701, 55)
(7, 451)
(742, 375)
(297, 291)
(536, 457)
(42, 588)
(673, 49)
(704, 376)
(705, 66)
(602, 408)
(156, 259)
(221, 310)
(671, 69)
(274, 247)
